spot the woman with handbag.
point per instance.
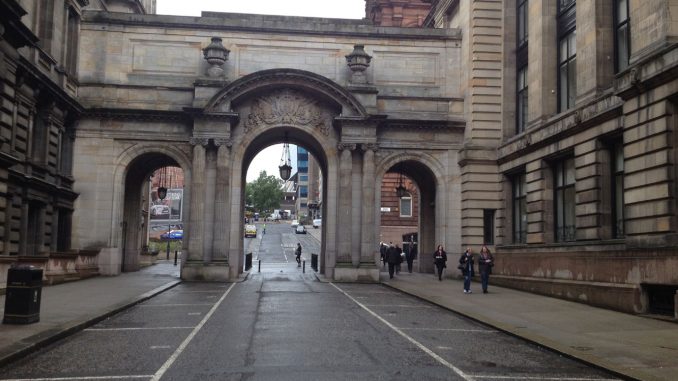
(485, 263)
(439, 258)
(466, 267)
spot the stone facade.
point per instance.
(619, 248)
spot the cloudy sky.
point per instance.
(269, 158)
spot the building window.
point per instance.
(488, 226)
(406, 206)
(564, 198)
(521, 100)
(71, 41)
(521, 23)
(303, 177)
(519, 209)
(622, 41)
(567, 54)
(303, 191)
(617, 156)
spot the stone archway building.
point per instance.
(147, 88)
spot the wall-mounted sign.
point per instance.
(169, 208)
(383, 209)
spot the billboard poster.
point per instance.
(169, 208)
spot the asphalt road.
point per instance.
(282, 324)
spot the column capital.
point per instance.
(226, 142)
(346, 146)
(199, 141)
(374, 147)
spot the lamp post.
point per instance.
(162, 193)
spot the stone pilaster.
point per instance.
(344, 212)
(595, 63)
(542, 54)
(368, 247)
(195, 227)
(222, 205)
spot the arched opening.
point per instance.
(143, 210)
(302, 203)
(407, 215)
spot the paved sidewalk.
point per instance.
(69, 307)
(632, 346)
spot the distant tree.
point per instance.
(264, 193)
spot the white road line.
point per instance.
(160, 347)
(397, 305)
(178, 305)
(135, 328)
(410, 339)
(194, 313)
(190, 337)
(448, 329)
(491, 377)
(130, 377)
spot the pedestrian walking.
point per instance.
(440, 259)
(466, 267)
(382, 251)
(264, 231)
(485, 264)
(393, 258)
(401, 255)
(411, 255)
(297, 254)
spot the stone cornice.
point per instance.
(46, 84)
(268, 24)
(137, 115)
(198, 113)
(564, 125)
(15, 31)
(652, 71)
(450, 125)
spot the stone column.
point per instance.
(367, 248)
(197, 211)
(344, 212)
(222, 206)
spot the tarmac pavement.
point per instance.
(632, 346)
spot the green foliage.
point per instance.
(264, 193)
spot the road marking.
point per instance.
(410, 339)
(83, 378)
(190, 337)
(397, 305)
(448, 329)
(194, 313)
(178, 305)
(135, 328)
(160, 347)
(491, 377)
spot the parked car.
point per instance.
(173, 234)
(159, 210)
(300, 229)
(250, 231)
(156, 230)
(317, 223)
(295, 223)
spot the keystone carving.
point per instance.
(287, 107)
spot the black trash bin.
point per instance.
(22, 298)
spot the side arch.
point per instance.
(122, 167)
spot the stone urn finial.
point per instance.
(216, 55)
(358, 61)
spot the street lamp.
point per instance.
(400, 189)
(285, 166)
(162, 194)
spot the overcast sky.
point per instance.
(269, 158)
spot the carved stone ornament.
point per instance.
(287, 107)
(370, 147)
(218, 142)
(347, 146)
(199, 141)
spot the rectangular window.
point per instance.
(521, 100)
(303, 177)
(617, 159)
(622, 41)
(519, 209)
(302, 164)
(72, 40)
(303, 191)
(567, 54)
(564, 179)
(406, 206)
(521, 23)
(488, 226)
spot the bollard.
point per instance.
(303, 268)
(175, 257)
(259, 265)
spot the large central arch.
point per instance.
(262, 109)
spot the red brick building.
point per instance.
(398, 215)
